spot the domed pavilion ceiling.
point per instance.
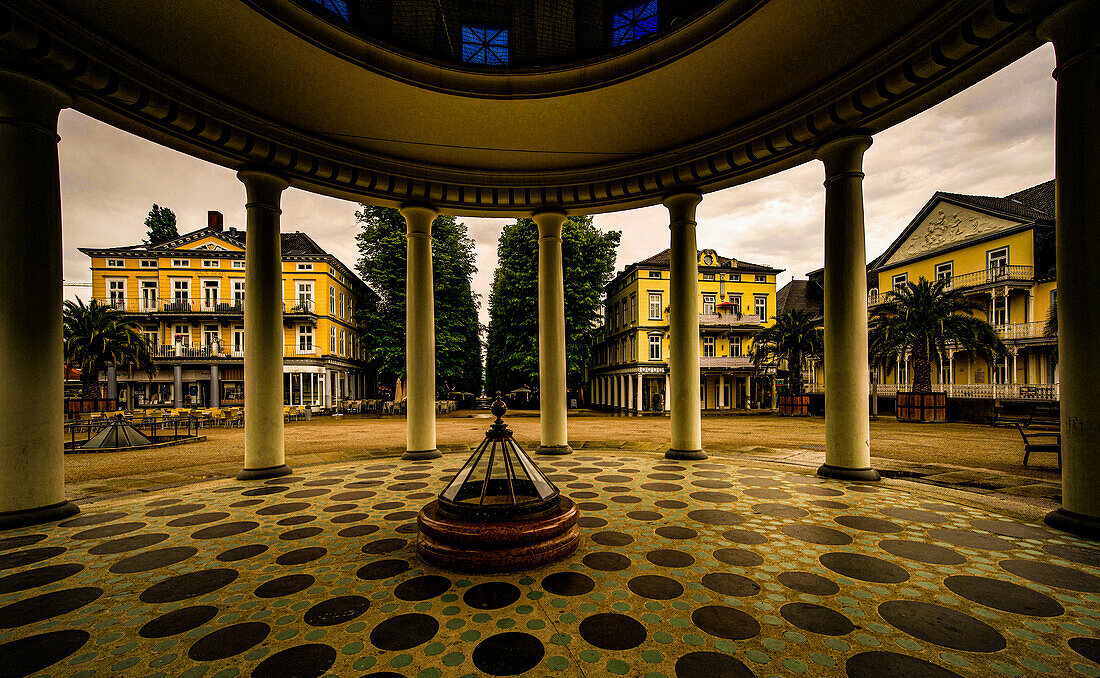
(501, 107)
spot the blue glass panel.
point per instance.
(482, 45)
(338, 7)
(634, 23)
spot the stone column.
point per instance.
(215, 387)
(553, 408)
(1076, 40)
(420, 334)
(628, 388)
(668, 390)
(639, 394)
(847, 415)
(721, 391)
(263, 328)
(177, 386)
(32, 458)
(683, 320)
(112, 382)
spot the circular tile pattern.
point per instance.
(404, 631)
(301, 661)
(922, 552)
(151, 560)
(568, 583)
(284, 586)
(29, 655)
(864, 568)
(492, 595)
(382, 569)
(725, 622)
(1053, 575)
(877, 664)
(508, 654)
(188, 585)
(817, 534)
(228, 641)
(131, 543)
(612, 631)
(942, 626)
(46, 606)
(178, 621)
(1003, 595)
(669, 558)
(39, 576)
(423, 587)
(729, 584)
(711, 665)
(808, 582)
(817, 619)
(606, 561)
(336, 610)
(655, 587)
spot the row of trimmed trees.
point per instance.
(920, 319)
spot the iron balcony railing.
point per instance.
(235, 306)
(998, 275)
(226, 350)
(994, 391)
(1031, 330)
(729, 319)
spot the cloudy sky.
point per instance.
(993, 139)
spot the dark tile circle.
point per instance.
(808, 582)
(1012, 529)
(228, 641)
(300, 661)
(302, 555)
(104, 531)
(739, 557)
(46, 606)
(301, 533)
(612, 538)
(591, 522)
(404, 631)
(492, 595)
(380, 546)
(817, 534)
(941, 626)
(424, 587)
(1076, 554)
(131, 543)
(92, 519)
(29, 655)
(914, 515)
(225, 530)
(868, 524)
(8, 543)
(713, 497)
(178, 621)
(922, 552)
(606, 561)
(1053, 575)
(817, 619)
(241, 552)
(338, 610)
(382, 569)
(151, 560)
(283, 508)
(777, 510)
(1089, 648)
(711, 665)
(655, 587)
(670, 504)
(747, 537)
(878, 663)
(676, 532)
(284, 586)
(729, 584)
(644, 515)
(612, 631)
(39, 576)
(175, 510)
(670, 558)
(1003, 595)
(508, 654)
(360, 531)
(970, 540)
(864, 568)
(726, 622)
(568, 583)
(188, 585)
(198, 519)
(715, 517)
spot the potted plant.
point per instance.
(923, 318)
(794, 338)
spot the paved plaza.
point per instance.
(686, 569)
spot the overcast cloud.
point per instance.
(993, 139)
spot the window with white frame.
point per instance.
(116, 263)
(343, 342)
(761, 278)
(760, 302)
(305, 338)
(211, 335)
(735, 301)
(654, 347)
(116, 293)
(708, 276)
(997, 258)
(708, 304)
(899, 281)
(211, 290)
(148, 263)
(182, 335)
(656, 308)
(304, 302)
(945, 270)
(151, 335)
(211, 263)
(238, 294)
(332, 301)
(181, 263)
(238, 263)
(181, 292)
(654, 274)
(999, 314)
(633, 347)
(148, 295)
(342, 306)
(708, 347)
(735, 277)
(238, 340)
(305, 267)
(332, 340)
(634, 308)
(735, 346)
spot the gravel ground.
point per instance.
(967, 445)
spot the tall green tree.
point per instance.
(160, 225)
(795, 337)
(922, 318)
(96, 336)
(588, 264)
(382, 263)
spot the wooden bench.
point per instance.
(1002, 418)
(1041, 442)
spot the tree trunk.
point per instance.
(922, 368)
(89, 385)
(794, 373)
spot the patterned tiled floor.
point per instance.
(686, 569)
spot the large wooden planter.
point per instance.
(76, 406)
(794, 405)
(921, 407)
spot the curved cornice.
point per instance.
(963, 42)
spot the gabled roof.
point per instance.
(663, 258)
(296, 243)
(1029, 207)
(798, 295)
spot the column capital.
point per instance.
(550, 222)
(31, 102)
(843, 156)
(681, 206)
(263, 188)
(1072, 29)
(419, 217)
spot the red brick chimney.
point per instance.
(214, 220)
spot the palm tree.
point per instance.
(1050, 329)
(96, 336)
(922, 318)
(795, 337)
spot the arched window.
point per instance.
(485, 45)
(634, 23)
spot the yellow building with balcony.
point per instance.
(187, 295)
(629, 368)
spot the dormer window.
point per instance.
(211, 263)
(305, 267)
(148, 263)
(761, 278)
(181, 263)
(634, 23)
(116, 263)
(485, 45)
(238, 263)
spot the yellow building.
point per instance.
(1000, 252)
(187, 295)
(630, 360)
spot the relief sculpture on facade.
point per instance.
(947, 225)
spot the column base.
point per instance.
(845, 473)
(420, 456)
(554, 449)
(261, 473)
(690, 455)
(35, 516)
(1074, 523)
